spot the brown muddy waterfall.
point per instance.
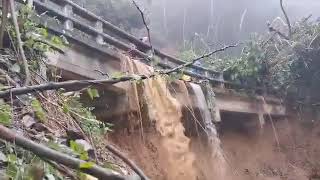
(180, 157)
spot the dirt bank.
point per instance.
(255, 155)
(251, 154)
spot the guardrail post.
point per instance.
(221, 84)
(30, 3)
(68, 25)
(206, 73)
(99, 27)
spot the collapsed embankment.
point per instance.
(251, 154)
(169, 139)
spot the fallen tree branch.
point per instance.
(199, 58)
(4, 19)
(134, 167)
(80, 84)
(52, 155)
(21, 50)
(61, 169)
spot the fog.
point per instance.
(219, 20)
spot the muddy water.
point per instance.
(165, 111)
(129, 67)
(179, 157)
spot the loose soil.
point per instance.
(251, 153)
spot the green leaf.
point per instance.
(86, 165)
(12, 171)
(93, 93)
(84, 156)
(117, 75)
(43, 32)
(12, 158)
(109, 165)
(79, 150)
(65, 108)
(37, 108)
(57, 40)
(5, 115)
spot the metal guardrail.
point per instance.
(75, 19)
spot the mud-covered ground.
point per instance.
(251, 153)
(257, 155)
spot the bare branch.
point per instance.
(4, 19)
(199, 58)
(52, 155)
(272, 29)
(287, 19)
(79, 84)
(102, 73)
(145, 24)
(22, 54)
(134, 167)
(61, 169)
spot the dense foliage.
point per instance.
(28, 112)
(289, 66)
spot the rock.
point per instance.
(73, 134)
(28, 121)
(49, 177)
(40, 127)
(87, 146)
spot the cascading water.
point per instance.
(217, 163)
(154, 103)
(128, 67)
(166, 112)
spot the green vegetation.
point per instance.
(37, 108)
(289, 66)
(24, 165)
(36, 39)
(5, 114)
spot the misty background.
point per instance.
(217, 22)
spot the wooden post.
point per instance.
(99, 27)
(4, 19)
(68, 24)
